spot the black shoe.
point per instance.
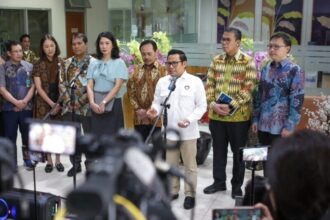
(174, 197)
(189, 202)
(215, 188)
(59, 166)
(71, 171)
(236, 192)
(48, 168)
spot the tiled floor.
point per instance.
(59, 184)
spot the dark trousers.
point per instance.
(16, 120)
(266, 138)
(144, 130)
(85, 121)
(236, 134)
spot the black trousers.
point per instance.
(144, 130)
(236, 134)
(266, 138)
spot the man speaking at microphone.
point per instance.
(75, 75)
(187, 105)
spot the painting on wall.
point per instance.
(236, 13)
(282, 16)
(320, 23)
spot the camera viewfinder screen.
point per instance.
(255, 154)
(52, 138)
(236, 213)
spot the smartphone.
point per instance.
(254, 153)
(240, 212)
(52, 136)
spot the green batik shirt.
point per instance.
(235, 76)
(77, 70)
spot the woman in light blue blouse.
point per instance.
(105, 78)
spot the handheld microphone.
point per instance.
(172, 86)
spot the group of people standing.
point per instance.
(99, 86)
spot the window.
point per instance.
(143, 17)
(15, 22)
(321, 23)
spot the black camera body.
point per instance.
(122, 168)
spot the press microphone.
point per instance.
(172, 86)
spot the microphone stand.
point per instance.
(164, 108)
(72, 86)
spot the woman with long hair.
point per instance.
(46, 78)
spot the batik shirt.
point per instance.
(279, 98)
(77, 71)
(30, 56)
(235, 76)
(141, 88)
(16, 78)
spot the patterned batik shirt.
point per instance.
(141, 88)
(30, 56)
(17, 79)
(235, 76)
(279, 98)
(77, 71)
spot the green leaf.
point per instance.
(246, 15)
(271, 2)
(292, 14)
(265, 20)
(223, 12)
(293, 39)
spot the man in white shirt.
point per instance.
(187, 106)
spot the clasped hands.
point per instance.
(221, 109)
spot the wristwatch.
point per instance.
(104, 102)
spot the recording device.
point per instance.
(243, 212)
(123, 168)
(254, 154)
(52, 137)
(172, 86)
(19, 203)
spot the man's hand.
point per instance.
(285, 132)
(184, 123)
(221, 109)
(152, 113)
(20, 104)
(266, 215)
(141, 114)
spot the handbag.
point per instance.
(99, 97)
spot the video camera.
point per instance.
(123, 174)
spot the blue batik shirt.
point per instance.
(17, 79)
(280, 97)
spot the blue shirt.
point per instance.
(16, 78)
(105, 74)
(280, 97)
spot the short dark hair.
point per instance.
(42, 53)
(10, 44)
(81, 36)
(237, 32)
(115, 48)
(181, 54)
(304, 154)
(24, 36)
(149, 41)
(286, 39)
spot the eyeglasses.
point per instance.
(225, 40)
(174, 63)
(274, 46)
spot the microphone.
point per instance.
(172, 86)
